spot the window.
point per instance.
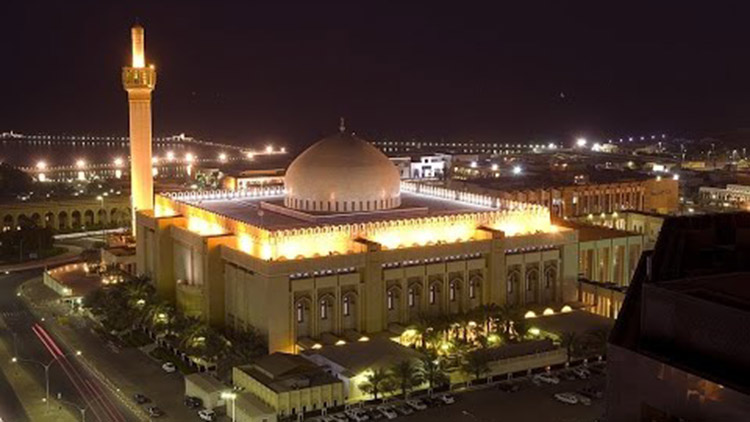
(300, 313)
(347, 305)
(411, 297)
(452, 292)
(390, 300)
(324, 309)
(433, 294)
(472, 290)
(529, 284)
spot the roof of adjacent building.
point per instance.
(588, 232)
(355, 357)
(285, 372)
(688, 305)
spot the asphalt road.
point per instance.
(67, 377)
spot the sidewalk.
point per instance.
(30, 391)
(124, 371)
(70, 255)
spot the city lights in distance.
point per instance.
(118, 161)
(170, 156)
(517, 170)
(494, 167)
(473, 164)
(222, 157)
(250, 155)
(581, 142)
(41, 165)
(80, 163)
(189, 157)
(269, 149)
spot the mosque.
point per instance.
(346, 249)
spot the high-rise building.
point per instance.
(139, 80)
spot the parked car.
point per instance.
(387, 411)
(509, 387)
(155, 412)
(403, 409)
(583, 400)
(338, 417)
(568, 398)
(357, 415)
(568, 376)
(447, 398)
(207, 415)
(545, 378)
(581, 373)
(432, 401)
(591, 392)
(416, 404)
(374, 414)
(169, 367)
(140, 398)
(193, 402)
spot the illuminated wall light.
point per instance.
(529, 314)
(548, 312)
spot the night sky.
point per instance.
(245, 73)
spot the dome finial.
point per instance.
(342, 125)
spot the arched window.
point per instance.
(411, 297)
(472, 289)
(347, 305)
(390, 299)
(452, 292)
(433, 294)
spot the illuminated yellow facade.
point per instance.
(139, 81)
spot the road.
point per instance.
(36, 346)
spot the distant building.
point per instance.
(680, 349)
(734, 196)
(432, 166)
(250, 179)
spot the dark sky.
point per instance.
(244, 72)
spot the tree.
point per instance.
(407, 375)
(421, 327)
(569, 340)
(374, 381)
(433, 372)
(476, 364)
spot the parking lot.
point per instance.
(532, 403)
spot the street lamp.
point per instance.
(104, 213)
(228, 395)
(79, 408)
(46, 368)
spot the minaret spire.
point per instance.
(342, 125)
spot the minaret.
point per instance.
(139, 80)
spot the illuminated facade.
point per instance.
(139, 80)
(312, 277)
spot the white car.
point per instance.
(416, 404)
(568, 398)
(387, 411)
(357, 415)
(546, 378)
(447, 399)
(207, 415)
(338, 417)
(169, 367)
(581, 373)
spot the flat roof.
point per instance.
(247, 211)
(379, 352)
(587, 233)
(285, 372)
(725, 289)
(557, 179)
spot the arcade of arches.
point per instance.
(68, 214)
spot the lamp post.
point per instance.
(228, 395)
(79, 408)
(101, 208)
(46, 367)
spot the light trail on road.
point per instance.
(95, 397)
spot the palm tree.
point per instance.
(486, 315)
(463, 320)
(569, 340)
(476, 363)
(433, 371)
(407, 375)
(421, 327)
(374, 382)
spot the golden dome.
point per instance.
(342, 173)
